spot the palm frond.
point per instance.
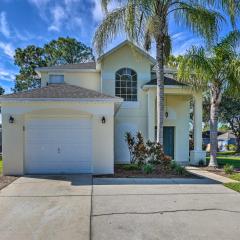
(195, 68)
(198, 19)
(109, 28)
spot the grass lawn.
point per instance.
(233, 186)
(227, 157)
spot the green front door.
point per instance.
(168, 141)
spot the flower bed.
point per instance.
(133, 171)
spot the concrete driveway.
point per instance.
(68, 207)
(180, 209)
(46, 207)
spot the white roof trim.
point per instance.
(62, 70)
(145, 87)
(120, 100)
(127, 42)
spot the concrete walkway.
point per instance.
(209, 175)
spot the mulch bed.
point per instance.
(120, 172)
(6, 180)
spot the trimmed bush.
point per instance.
(179, 170)
(130, 167)
(148, 168)
(228, 169)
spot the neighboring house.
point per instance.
(206, 136)
(226, 139)
(76, 121)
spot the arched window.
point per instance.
(126, 84)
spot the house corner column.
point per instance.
(197, 154)
(151, 114)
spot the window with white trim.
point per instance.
(126, 84)
(56, 78)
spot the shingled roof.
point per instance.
(167, 81)
(60, 91)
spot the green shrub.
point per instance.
(179, 170)
(142, 153)
(232, 147)
(130, 167)
(148, 168)
(201, 163)
(228, 169)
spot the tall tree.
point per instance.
(216, 70)
(230, 114)
(27, 60)
(67, 50)
(146, 22)
(60, 51)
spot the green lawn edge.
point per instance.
(233, 186)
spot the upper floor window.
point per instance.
(126, 84)
(56, 78)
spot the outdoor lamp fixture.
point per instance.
(11, 119)
(166, 113)
(103, 120)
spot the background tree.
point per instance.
(216, 70)
(146, 22)
(230, 114)
(60, 51)
(27, 60)
(67, 50)
(2, 90)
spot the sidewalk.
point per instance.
(203, 173)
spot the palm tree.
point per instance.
(146, 22)
(217, 70)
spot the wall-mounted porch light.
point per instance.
(103, 120)
(166, 113)
(11, 119)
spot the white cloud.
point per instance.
(39, 3)
(59, 15)
(6, 75)
(181, 49)
(8, 49)
(4, 27)
(180, 36)
(97, 9)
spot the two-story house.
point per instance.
(76, 121)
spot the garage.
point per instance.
(58, 145)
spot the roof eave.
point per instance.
(146, 87)
(62, 70)
(90, 100)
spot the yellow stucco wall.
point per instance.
(13, 134)
(90, 80)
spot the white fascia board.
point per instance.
(146, 87)
(55, 70)
(85, 100)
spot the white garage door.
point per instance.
(58, 145)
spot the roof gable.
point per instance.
(127, 42)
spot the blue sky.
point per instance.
(24, 22)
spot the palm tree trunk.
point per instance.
(214, 111)
(160, 89)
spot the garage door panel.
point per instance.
(62, 146)
(62, 135)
